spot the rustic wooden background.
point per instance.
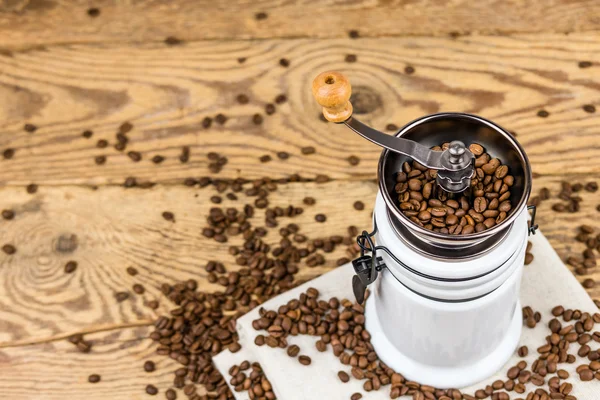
(66, 71)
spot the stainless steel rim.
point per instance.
(457, 240)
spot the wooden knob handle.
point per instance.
(332, 91)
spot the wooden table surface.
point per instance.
(65, 72)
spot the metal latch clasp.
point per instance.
(366, 267)
(533, 227)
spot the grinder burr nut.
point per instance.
(332, 91)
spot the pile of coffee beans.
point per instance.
(427, 205)
(251, 378)
(203, 322)
(339, 325)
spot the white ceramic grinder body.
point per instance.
(444, 309)
(455, 329)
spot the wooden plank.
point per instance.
(56, 370)
(167, 92)
(117, 228)
(25, 22)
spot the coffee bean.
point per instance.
(523, 351)
(589, 283)
(206, 122)
(30, 128)
(353, 160)
(157, 159)
(543, 113)
(589, 108)
(269, 109)
(283, 155)
(353, 34)
(8, 154)
(8, 214)
(359, 205)
(356, 396)
(172, 41)
(100, 160)
(304, 360)
(591, 187)
(220, 119)
(266, 158)
(139, 289)
(83, 346)
(135, 156)
(261, 16)
(409, 70)
(284, 62)
(93, 12)
(170, 394)
(391, 127)
(101, 144)
(149, 366)
(94, 378)
(132, 271)
(185, 154)
(343, 376)
(70, 267)
(308, 150)
(242, 99)
(350, 58)
(586, 375)
(121, 296)
(169, 216)
(257, 119)
(151, 390)
(528, 258)
(320, 218)
(584, 64)
(280, 99)
(9, 249)
(32, 188)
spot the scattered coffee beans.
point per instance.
(353, 160)
(70, 267)
(308, 150)
(589, 108)
(256, 383)
(8, 214)
(30, 128)
(169, 216)
(93, 12)
(151, 390)
(149, 366)
(359, 205)
(543, 114)
(9, 249)
(32, 188)
(8, 154)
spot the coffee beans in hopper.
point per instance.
(428, 206)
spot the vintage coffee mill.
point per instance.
(445, 310)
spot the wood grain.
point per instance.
(117, 228)
(167, 92)
(36, 22)
(56, 370)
